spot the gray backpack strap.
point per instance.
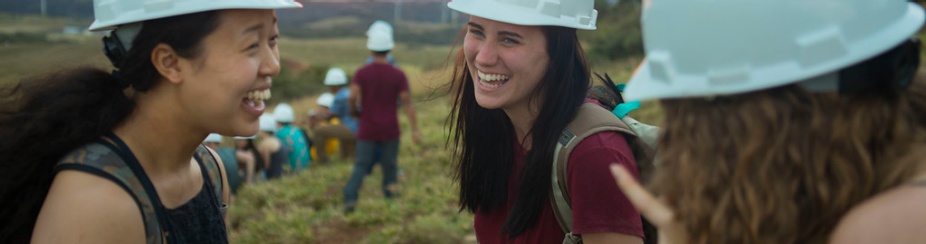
(589, 120)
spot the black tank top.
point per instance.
(189, 223)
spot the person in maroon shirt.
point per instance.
(376, 88)
(516, 88)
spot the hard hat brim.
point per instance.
(185, 7)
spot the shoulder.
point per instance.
(604, 142)
(85, 208)
(894, 216)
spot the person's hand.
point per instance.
(671, 230)
(415, 138)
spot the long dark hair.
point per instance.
(48, 116)
(484, 139)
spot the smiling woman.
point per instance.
(116, 157)
(520, 78)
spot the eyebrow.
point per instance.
(501, 33)
(254, 27)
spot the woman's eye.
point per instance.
(476, 32)
(274, 39)
(510, 41)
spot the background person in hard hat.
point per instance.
(249, 159)
(182, 70)
(214, 141)
(520, 78)
(292, 137)
(815, 135)
(345, 131)
(381, 26)
(274, 152)
(318, 118)
(376, 87)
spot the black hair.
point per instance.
(381, 53)
(48, 116)
(485, 153)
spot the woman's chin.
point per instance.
(488, 103)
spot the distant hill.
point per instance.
(366, 12)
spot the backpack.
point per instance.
(591, 119)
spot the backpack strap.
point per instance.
(103, 159)
(589, 120)
(207, 160)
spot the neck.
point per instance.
(522, 120)
(380, 59)
(162, 145)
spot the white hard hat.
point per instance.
(380, 25)
(718, 47)
(335, 77)
(268, 123)
(579, 14)
(111, 13)
(213, 137)
(379, 41)
(283, 113)
(325, 99)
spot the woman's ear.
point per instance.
(166, 61)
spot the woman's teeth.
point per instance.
(259, 95)
(491, 77)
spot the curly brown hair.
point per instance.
(781, 165)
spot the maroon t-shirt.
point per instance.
(597, 203)
(380, 85)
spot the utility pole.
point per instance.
(397, 14)
(42, 5)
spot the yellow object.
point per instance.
(333, 145)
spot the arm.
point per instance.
(410, 112)
(266, 147)
(353, 99)
(85, 208)
(601, 214)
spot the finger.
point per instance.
(651, 208)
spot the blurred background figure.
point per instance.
(250, 162)
(273, 152)
(292, 137)
(376, 88)
(334, 109)
(227, 154)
